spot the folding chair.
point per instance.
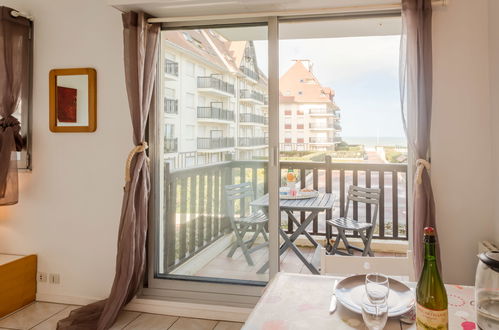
(243, 224)
(365, 230)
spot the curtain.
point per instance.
(416, 100)
(140, 53)
(14, 82)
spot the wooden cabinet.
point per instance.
(17, 282)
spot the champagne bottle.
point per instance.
(431, 297)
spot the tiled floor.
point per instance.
(44, 316)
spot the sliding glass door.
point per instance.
(248, 111)
(213, 163)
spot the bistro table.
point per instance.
(314, 205)
(297, 301)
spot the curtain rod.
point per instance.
(294, 13)
(16, 14)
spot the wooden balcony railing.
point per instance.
(252, 118)
(252, 141)
(215, 113)
(215, 83)
(322, 112)
(249, 94)
(215, 143)
(171, 106)
(171, 67)
(250, 73)
(171, 145)
(194, 214)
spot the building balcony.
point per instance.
(207, 143)
(214, 114)
(250, 73)
(201, 243)
(251, 118)
(171, 145)
(171, 69)
(321, 112)
(321, 126)
(321, 140)
(215, 86)
(252, 142)
(249, 96)
(171, 106)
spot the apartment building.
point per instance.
(215, 99)
(309, 117)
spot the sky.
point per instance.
(363, 71)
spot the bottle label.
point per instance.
(429, 319)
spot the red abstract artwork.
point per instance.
(66, 104)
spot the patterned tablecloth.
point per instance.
(295, 301)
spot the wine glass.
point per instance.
(374, 315)
(377, 288)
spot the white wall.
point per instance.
(461, 135)
(70, 203)
(494, 103)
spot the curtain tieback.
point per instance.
(138, 148)
(420, 165)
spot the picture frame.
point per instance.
(73, 100)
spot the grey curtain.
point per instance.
(416, 100)
(140, 52)
(14, 75)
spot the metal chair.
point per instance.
(365, 230)
(243, 224)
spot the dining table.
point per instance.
(299, 301)
(321, 202)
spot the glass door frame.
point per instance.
(238, 295)
(210, 290)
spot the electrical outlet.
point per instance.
(54, 279)
(41, 277)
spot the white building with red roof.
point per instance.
(309, 117)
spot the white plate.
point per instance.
(301, 195)
(350, 290)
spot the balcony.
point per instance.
(249, 96)
(215, 143)
(251, 142)
(321, 112)
(214, 114)
(250, 73)
(215, 86)
(251, 118)
(207, 228)
(320, 126)
(171, 145)
(321, 140)
(171, 69)
(171, 106)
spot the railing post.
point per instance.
(329, 182)
(381, 203)
(193, 215)
(170, 218)
(395, 204)
(183, 220)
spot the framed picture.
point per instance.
(73, 100)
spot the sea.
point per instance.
(372, 141)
